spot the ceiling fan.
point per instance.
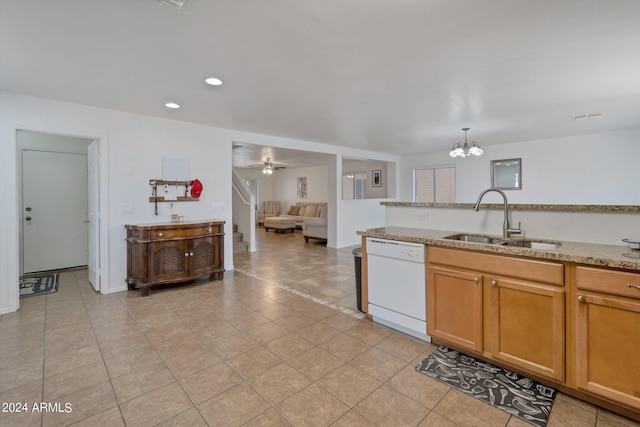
(268, 167)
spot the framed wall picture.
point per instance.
(302, 187)
(377, 178)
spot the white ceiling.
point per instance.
(397, 76)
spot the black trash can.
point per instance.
(357, 258)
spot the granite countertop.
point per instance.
(616, 256)
(519, 206)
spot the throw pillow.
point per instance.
(311, 211)
(322, 212)
(302, 210)
(293, 210)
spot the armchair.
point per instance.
(268, 209)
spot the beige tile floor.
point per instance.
(242, 351)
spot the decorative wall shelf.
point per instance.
(162, 183)
(180, 199)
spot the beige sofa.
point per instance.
(302, 210)
(314, 228)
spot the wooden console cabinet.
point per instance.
(164, 253)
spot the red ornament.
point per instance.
(196, 188)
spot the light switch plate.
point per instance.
(218, 208)
(127, 208)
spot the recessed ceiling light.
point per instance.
(172, 105)
(213, 81)
(173, 3)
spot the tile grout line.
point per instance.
(164, 363)
(44, 349)
(302, 294)
(91, 322)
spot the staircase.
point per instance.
(238, 244)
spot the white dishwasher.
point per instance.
(397, 285)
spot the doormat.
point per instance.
(520, 396)
(30, 286)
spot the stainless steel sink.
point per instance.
(533, 244)
(545, 245)
(477, 239)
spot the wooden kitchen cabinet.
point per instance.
(607, 334)
(525, 325)
(454, 306)
(505, 308)
(173, 252)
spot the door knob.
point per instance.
(494, 283)
(28, 218)
(86, 221)
(580, 298)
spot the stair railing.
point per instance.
(244, 212)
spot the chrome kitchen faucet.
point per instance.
(507, 231)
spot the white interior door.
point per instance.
(93, 215)
(54, 210)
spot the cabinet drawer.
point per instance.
(529, 269)
(183, 232)
(608, 281)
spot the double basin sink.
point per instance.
(544, 245)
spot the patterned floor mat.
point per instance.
(506, 390)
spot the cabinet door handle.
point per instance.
(160, 234)
(580, 298)
(494, 283)
(631, 285)
(209, 229)
(186, 254)
(475, 279)
(191, 254)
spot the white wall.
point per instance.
(285, 185)
(586, 169)
(58, 143)
(588, 227)
(133, 146)
(370, 192)
(358, 215)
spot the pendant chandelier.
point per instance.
(466, 149)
